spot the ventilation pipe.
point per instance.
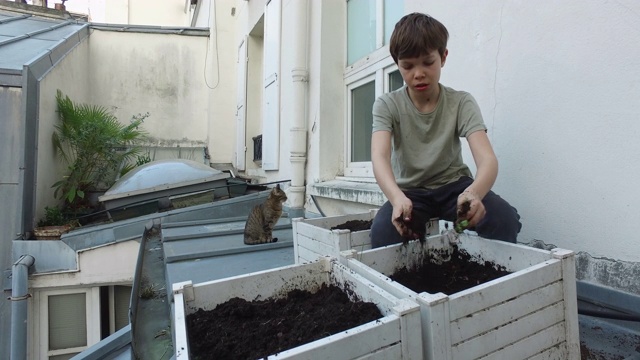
(298, 131)
(19, 296)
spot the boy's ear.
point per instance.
(443, 59)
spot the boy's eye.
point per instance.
(429, 63)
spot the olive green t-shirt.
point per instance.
(426, 150)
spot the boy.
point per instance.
(416, 150)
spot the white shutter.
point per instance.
(271, 96)
(241, 107)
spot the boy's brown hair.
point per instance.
(417, 34)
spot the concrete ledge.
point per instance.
(358, 192)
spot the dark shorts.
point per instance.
(501, 221)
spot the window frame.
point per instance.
(379, 73)
(92, 313)
(112, 306)
(376, 65)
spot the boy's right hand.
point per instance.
(401, 217)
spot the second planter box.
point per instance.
(529, 314)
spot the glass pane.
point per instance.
(67, 321)
(122, 298)
(395, 80)
(362, 99)
(361, 29)
(393, 11)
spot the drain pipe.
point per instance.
(19, 296)
(300, 77)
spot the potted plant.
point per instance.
(52, 225)
(94, 145)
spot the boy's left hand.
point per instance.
(475, 211)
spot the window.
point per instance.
(120, 307)
(74, 319)
(370, 72)
(69, 322)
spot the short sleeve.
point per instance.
(469, 116)
(382, 118)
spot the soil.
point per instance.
(354, 225)
(459, 273)
(239, 329)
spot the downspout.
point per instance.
(19, 296)
(300, 77)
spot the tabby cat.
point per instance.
(263, 217)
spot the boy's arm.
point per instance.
(486, 173)
(381, 161)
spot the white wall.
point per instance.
(70, 76)
(95, 268)
(558, 86)
(162, 74)
(221, 81)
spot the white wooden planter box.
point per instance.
(313, 237)
(528, 314)
(397, 335)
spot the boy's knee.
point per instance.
(502, 222)
(383, 232)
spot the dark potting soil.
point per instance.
(239, 329)
(354, 225)
(459, 273)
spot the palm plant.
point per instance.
(94, 144)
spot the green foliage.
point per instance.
(93, 143)
(53, 216)
(140, 160)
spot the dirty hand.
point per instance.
(470, 208)
(401, 217)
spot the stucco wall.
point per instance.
(71, 76)
(144, 12)
(95, 267)
(221, 81)
(558, 86)
(162, 74)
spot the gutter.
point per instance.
(300, 78)
(19, 296)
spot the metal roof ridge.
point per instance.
(34, 33)
(179, 30)
(14, 18)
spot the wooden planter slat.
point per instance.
(396, 335)
(509, 334)
(494, 292)
(309, 236)
(468, 326)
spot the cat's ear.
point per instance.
(278, 186)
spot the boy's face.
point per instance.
(422, 73)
